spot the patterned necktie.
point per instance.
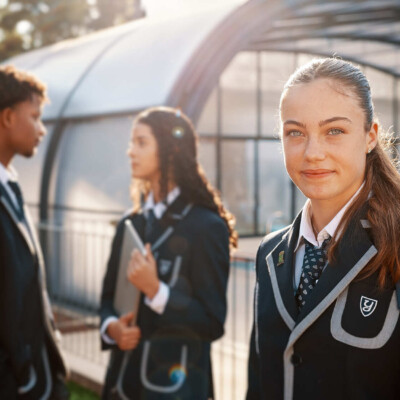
(18, 194)
(313, 264)
(148, 230)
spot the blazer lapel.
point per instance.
(355, 251)
(166, 226)
(280, 264)
(23, 229)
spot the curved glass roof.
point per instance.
(120, 69)
(177, 60)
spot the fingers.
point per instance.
(126, 318)
(129, 338)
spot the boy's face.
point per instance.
(26, 129)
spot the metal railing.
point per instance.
(76, 255)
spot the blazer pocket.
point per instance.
(364, 317)
(162, 375)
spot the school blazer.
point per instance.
(26, 324)
(344, 343)
(191, 247)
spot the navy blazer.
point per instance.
(343, 344)
(191, 246)
(26, 326)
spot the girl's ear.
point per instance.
(372, 137)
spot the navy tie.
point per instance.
(148, 230)
(313, 264)
(18, 194)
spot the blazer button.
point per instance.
(295, 359)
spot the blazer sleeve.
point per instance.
(109, 281)
(198, 300)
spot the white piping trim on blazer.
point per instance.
(22, 228)
(277, 294)
(314, 314)
(49, 385)
(31, 383)
(256, 337)
(363, 343)
(156, 388)
(175, 272)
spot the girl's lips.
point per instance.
(317, 173)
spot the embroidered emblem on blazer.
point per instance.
(165, 266)
(367, 306)
(280, 258)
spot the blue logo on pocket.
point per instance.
(367, 306)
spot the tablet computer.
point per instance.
(127, 296)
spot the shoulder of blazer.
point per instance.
(272, 239)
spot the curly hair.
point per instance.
(17, 86)
(177, 152)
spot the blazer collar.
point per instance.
(355, 251)
(165, 227)
(25, 230)
(280, 265)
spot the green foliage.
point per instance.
(79, 393)
(50, 21)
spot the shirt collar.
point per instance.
(306, 230)
(7, 174)
(160, 207)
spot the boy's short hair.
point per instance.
(17, 86)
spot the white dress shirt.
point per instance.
(160, 300)
(306, 232)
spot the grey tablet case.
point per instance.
(127, 296)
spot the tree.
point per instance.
(49, 21)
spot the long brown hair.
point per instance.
(381, 190)
(177, 152)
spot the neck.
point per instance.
(5, 156)
(155, 188)
(322, 213)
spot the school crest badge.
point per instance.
(367, 306)
(165, 266)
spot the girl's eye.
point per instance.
(295, 133)
(335, 131)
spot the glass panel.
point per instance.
(93, 171)
(30, 170)
(207, 158)
(209, 116)
(238, 182)
(239, 95)
(275, 71)
(274, 188)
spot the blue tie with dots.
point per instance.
(313, 264)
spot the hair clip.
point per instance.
(178, 113)
(178, 132)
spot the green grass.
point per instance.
(80, 393)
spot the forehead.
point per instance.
(34, 104)
(320, 99)
(142, 130)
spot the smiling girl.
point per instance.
(326, 323)
(183, 276)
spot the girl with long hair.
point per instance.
(183, 275)
(326, 312)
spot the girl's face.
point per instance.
(143, 152)
(324, 141)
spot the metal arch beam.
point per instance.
(322, 53)
(203, 70)
(246, 25)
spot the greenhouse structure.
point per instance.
(225, 67)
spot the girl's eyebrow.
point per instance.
(293, 122)
(333, 119)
